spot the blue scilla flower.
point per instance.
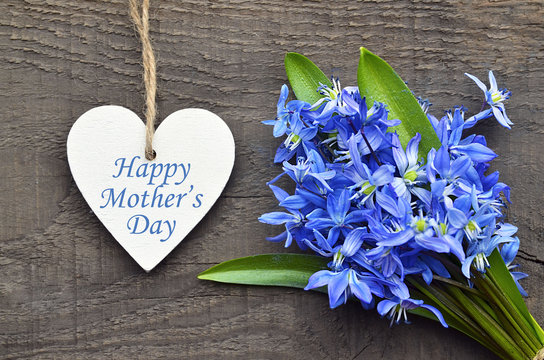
(396, 308)
(495, 98)
(377, 211)
(479, 250)
(294, 221)
(386, 259)
(404, 228)
(450, 130)
(448, 234)
(472, 217)
(342, 284)
(425, 236)
(309, 173)
(295, 119)
(376, 116)
(508, 252)
(335, 101)
(288, 115)
(367, 127)
(297, 143)
(447, 169)
(411, 171)
(365, 181)
(424, 103)
(423, 264)
(337, 217)
(326, 247)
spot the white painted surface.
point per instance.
(103, 136)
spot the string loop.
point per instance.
(140, 17)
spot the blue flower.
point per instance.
(364, 180)
(342, 284)
(396, 308)
(479, 250)
(447, 169)
(352, 243)
(310, 173)
(450, 129)
(294, 222)
(467, 214)
(410, 170)
(288, 115)
(334, 100)
(508, 252)
(376, 211)
(495, 98)
(376, 116)
(337, 217)
(386, 259)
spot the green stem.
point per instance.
(454, 314)
(490, 325)
(510, 311)
(529, 322)
(450, 306)
(520, 340)
(538, 330)
(457, 284)
(485, 305)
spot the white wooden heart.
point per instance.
(150, 206)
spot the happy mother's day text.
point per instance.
(156, 176)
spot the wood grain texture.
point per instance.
(68, 290)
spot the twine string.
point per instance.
(140, 17)
(539, 355)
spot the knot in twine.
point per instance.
(140, 17)
(539, 355)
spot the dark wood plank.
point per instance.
(67, 290)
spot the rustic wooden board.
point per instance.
(68, 290)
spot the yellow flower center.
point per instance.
(410, 175)
(421, 225)
(443, 228)
(369, 188)
(496, 96)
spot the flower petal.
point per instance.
(436, 313)
(480, 84)
(500, 117)
(337, 285)
(276, 218)
(319, 279)
(457, 218)
(359, 288)
(353, 242)
(385, 306)
(492, 82)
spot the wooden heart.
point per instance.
(150, 206)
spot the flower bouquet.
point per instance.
(395, 206)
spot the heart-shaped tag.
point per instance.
(150, 206)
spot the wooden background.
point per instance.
(68, 290)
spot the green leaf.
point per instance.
(292, 270)
(304, 77)
(503, 279)
(499, 272)
(379, 82)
